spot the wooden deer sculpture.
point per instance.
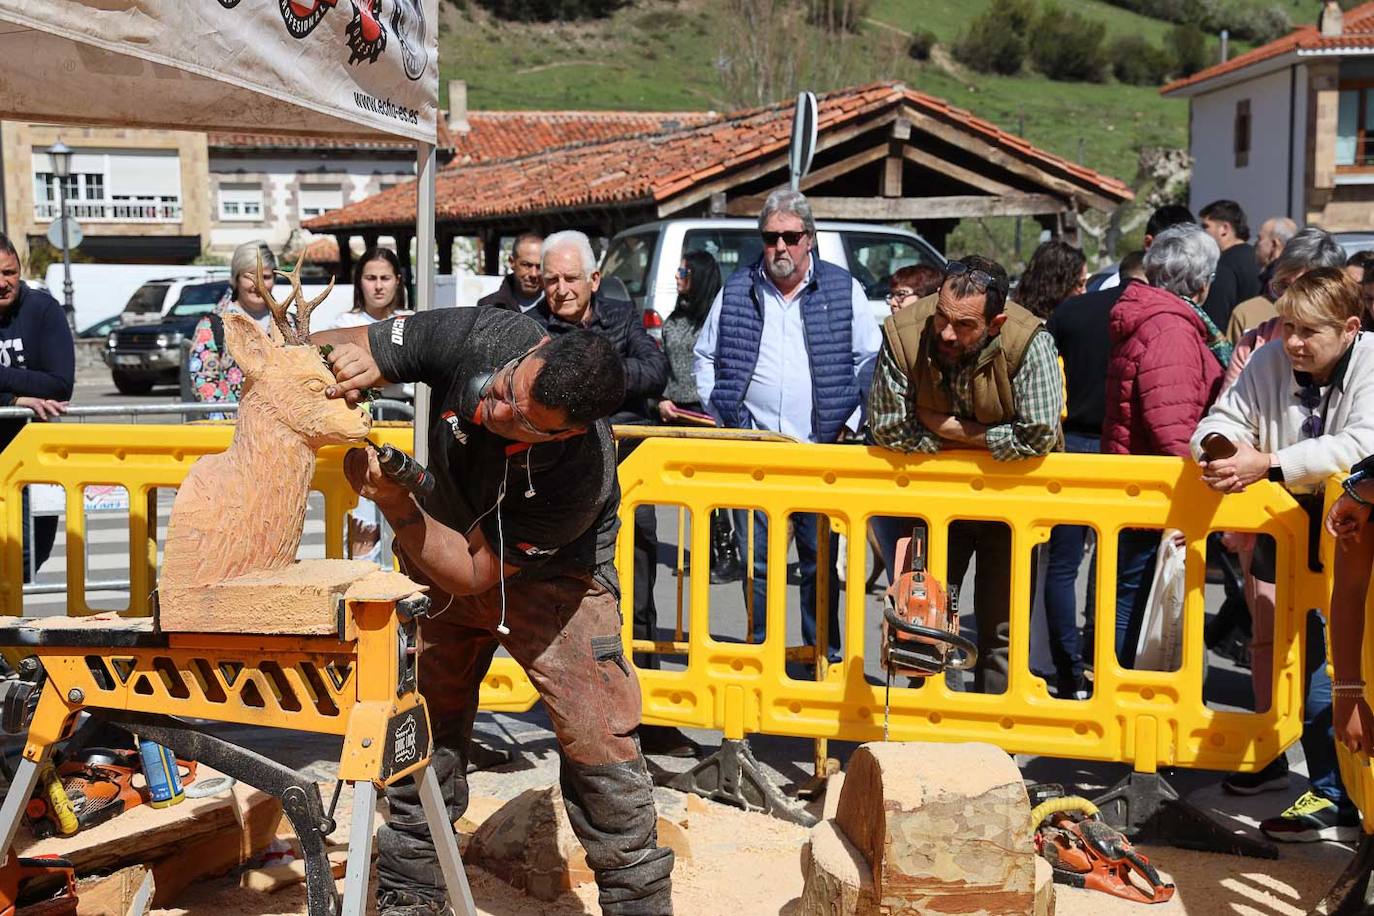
(229, 563)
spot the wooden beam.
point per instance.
(969, 141)
(957, 172)
(847, 164)
(883, 209)
(824, 141)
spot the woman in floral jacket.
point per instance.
(214, 376)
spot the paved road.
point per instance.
(786, 760)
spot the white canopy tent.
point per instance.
(348, 69)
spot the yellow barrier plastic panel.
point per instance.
(1146, 718)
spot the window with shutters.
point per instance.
(1242, 129)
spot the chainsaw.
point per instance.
(920, 634)
(17, 871)
(98, 784)
(1085, 852)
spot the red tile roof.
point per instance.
(279, 141)
(651, 169)
(508, 134)
(1358, 32)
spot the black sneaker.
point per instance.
(1273, 778)
(1312, 819)
(404, 903)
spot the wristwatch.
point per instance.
(1350, 484)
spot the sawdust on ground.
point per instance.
(746, 863)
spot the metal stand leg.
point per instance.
(359, 848)
(446, 845)
(16, 799)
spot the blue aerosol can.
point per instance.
(160, 769)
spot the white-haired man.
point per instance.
(788, 347)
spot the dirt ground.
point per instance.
(744, 864)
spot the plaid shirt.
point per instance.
(1038, 390)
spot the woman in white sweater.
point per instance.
(1302, 410)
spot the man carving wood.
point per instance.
(517, 542)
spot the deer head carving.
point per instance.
(243, 510)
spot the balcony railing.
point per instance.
(137, 211)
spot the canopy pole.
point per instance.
(424, 277)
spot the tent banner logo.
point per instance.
(375, 23)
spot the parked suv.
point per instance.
(646, 258)
(143, 355)
(154, 297)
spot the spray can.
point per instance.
(160, 770)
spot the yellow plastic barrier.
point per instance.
(1145, 718)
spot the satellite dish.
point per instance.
(804, 120)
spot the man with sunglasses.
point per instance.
(788, 347)
(516, 543)
(965, 368)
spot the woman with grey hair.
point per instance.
(1163, 374)
(214, 377)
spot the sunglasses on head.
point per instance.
(981, 278)
(791, 238)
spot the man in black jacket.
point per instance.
(522, 288)
(37, 371)
(573, 299)
(1237, 276)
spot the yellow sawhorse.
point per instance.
(124, 672)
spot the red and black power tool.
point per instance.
(921, 620)
(16, 873)
(98, 784)
(1086, 852)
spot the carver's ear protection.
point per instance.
(470, 402)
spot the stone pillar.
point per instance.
(1323, 80)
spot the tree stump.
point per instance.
(942, 828)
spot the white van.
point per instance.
(646, 258)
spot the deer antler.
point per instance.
(278, 309)
(304, 306)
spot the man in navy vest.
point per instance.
(788, 347)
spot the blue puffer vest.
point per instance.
(827, 306)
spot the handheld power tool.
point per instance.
(404, 469)
(920, 634)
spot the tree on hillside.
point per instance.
(995, 42)
(550, 10)
(1066, 46)
(769, 51)
(1188, 46)
(837, 15)
(1137, 62)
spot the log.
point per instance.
(530, 845)
(836, 878)
(111, 895)
(942, 828)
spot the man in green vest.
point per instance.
(967, 369)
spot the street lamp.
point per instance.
(61, 156)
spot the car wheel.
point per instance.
(132, 384)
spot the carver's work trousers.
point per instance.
(565, 634)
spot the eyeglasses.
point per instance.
(507, 375)
(1309, 396)
(684, 273)
(897, 295)
(791, 238)
(981, 278)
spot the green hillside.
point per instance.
(667, 54)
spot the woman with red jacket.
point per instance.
(1165, 370)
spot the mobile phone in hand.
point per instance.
(1215, 446)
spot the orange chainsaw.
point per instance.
(921, 620)
(98, 784)
(16, 872)
(1086, 852)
